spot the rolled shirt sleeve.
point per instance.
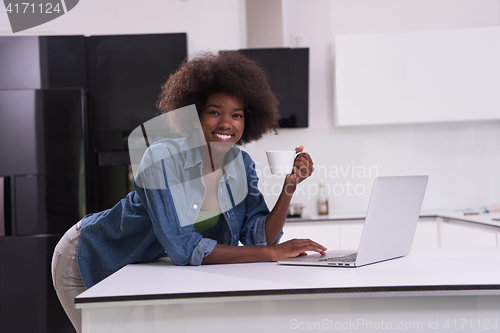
(203, 249)
(259, 232)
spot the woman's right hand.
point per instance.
(294, 248)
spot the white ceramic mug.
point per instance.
(281, 161)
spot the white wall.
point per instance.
(462, 159)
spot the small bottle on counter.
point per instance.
(322, 200)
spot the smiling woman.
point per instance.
(223, 118)
(223, 121)
(196, 197)
(229, 72)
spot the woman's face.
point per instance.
(222, 119)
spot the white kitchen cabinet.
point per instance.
(325, 233)
(465, 234)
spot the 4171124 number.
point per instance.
(31, 8)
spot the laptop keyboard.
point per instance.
(347, 258)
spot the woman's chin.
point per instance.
(220, 146)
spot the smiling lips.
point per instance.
(223, 137)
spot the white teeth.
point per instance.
(223, 137)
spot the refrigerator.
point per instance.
(41, 178)
(67, 105)
(42, 182)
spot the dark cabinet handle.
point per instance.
(2, 207)
(5, 216)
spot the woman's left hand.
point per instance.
(302, 168)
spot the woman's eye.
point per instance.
(213, 112)
(237, 115)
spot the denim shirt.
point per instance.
(150, 222)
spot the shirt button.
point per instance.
(195, 206)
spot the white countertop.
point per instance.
(492, 219)
(454, 271)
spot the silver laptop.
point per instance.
(389, 228)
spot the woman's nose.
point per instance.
(225, 121)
